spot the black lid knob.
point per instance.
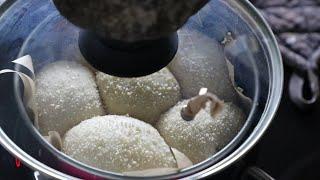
(126, 59)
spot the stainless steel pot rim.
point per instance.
(271, 107)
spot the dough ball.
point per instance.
(66, 94)
(200, 63)
(119, 144)
(203, 136)
(144, 98)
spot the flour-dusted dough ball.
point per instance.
(203, 136)
(144, 98)
(66, 94)
(200, 63)
(119, 144)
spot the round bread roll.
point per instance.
(200, 63)
(66, 94)
(119, 144)
(205, 134)
(144, 98)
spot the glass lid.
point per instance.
(176, 122)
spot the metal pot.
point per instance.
(254, 55)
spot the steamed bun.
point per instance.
(200, 63)
(66, 94)
(119, 144)
(144, 98)
(203, 136)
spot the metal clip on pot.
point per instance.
(128, 39)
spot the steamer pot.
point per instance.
(255, 57)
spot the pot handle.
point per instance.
(256, 173)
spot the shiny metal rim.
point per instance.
(268, 114)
